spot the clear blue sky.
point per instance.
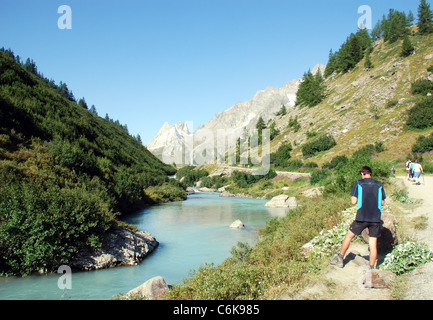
(150, 61)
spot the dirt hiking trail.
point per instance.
(348, 283)
(421, 279)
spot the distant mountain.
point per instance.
(171, 140)
(235, 120)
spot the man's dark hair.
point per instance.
(366, 170)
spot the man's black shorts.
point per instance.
(374, 228)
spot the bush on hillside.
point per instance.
(422, 87)
(214, 182)
(323, 143)
(348, 173)
(282, 156)
(336, 161)
(318, 176)
(243, 179)
(421, 115)
(369, 150)
(423, 144)
(191, 175)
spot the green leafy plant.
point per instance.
(407, 256)
(328, 242)
(421, 115)
(320, 144)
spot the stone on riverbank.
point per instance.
(282, 201)
(388, 235)
(153, 289)
(123, 247)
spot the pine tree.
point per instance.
(410, 17)
(311, 91)
(395, 26)
(82, 103)
(425, 16)
(354, 51)
(368, 64)
(332, 64)
(282, 111)
(407, 47)
(377, 31)
(93, 110)
(260, 125)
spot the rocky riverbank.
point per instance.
(123, 247)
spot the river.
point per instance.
(190, 233)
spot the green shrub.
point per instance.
(336, 162)
(369, 150)
(295, 164)
(423, 144)
(282, 156)
(422, 87)
(214, 182)
(318, 176)
(310, 165)
(421, 115)
(43, 226)
(428, 167)
(391, 103)
(243, 179)
(323, 143)
(166, 192)
(191, 175)
(348, 173)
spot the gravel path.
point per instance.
(421, 279)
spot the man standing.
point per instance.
(369, 195)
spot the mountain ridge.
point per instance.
(234, 120)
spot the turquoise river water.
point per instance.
(190, 234)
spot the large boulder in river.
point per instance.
(282, 201)
(123, 247)
(238, 224)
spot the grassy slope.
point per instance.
(65, 174)
(355, 110)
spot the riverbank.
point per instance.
(257, 270)
(122, 247)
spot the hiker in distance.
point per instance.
(368, 194)
(417, 169)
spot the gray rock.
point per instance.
(153, 289)
(238, 224)
(388, 237)
(204, 189)
(123, 247)
(282, 201)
